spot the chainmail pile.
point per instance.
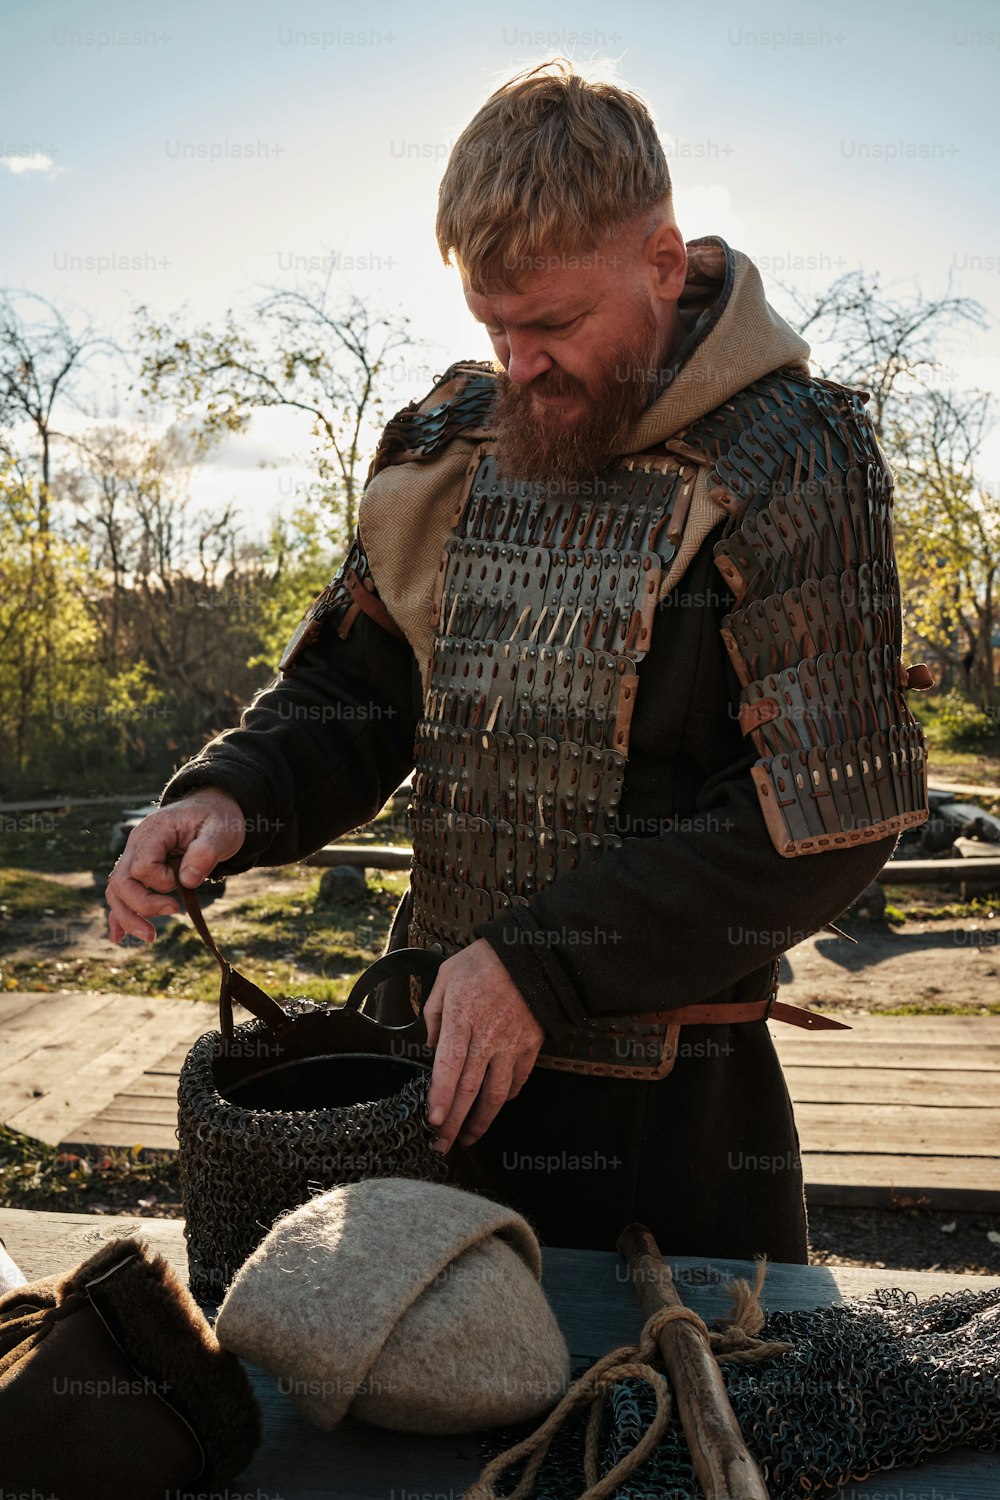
(241, 1168)
(874, 1384)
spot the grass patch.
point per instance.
(919, 1008)
(284, 940)
(979, 762)
(71, 838)
(25, 894)
(34, 1175)
(977, 908)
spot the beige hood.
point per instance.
(737, 337)
(733, 337)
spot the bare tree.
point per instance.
(308, 355)
(886, 344)
(947, 521)
(40, 360)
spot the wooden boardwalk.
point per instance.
(900, 1106)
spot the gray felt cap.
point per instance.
(412, 1305)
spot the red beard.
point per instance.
(536, 443)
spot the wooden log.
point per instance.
(896, 872)
(938, 871)
(722, 1463)
(374, 856)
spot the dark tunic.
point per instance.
(692, 907)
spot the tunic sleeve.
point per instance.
(320, 750)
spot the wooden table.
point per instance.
(597, 1310)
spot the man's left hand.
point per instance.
(485, 1040)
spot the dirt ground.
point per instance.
(85, 934)
(952, 962)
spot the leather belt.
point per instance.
(755, 1010)
(645, 1045)
(365, 599)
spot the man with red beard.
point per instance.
(583, 577)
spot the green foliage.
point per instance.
(60, 839)
(284, 940)
(299, 560)
(923, 1008)
(961, 725)
(304, 352)
(59, 704)
(24, 893)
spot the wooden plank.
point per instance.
(923, 1087)
(173, 1060)
(924, 1055)
(964, 788)
(41, 1094)
(935, 871)
(919, 1132)
(153, 1085)
(83, 1072)
(42, 1085)
(597, 1310)
(962, 1029)
(13, 1002)
(142, 1110)
(53, 1018)
(375, 856)
(835, 1179)
(101, 1134)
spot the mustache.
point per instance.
(554, 382)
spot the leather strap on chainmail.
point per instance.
(402, 963)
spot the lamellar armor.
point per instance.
(815, 637)
(545, 605)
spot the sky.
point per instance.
(816, 138)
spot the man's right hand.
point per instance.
(207, 826)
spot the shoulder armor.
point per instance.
(815, 638)
(458, 405)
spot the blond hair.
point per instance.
(551, 161)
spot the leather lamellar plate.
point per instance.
(466, 392)
(544, 609)
(816, 635)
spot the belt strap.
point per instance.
(371, 604)
(755, 1010)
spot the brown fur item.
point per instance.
(163, 1333)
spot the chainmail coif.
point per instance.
(874, 1384)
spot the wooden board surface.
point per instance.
(920, 1129)
(967, 1088)
(65, 1057)
(597, 1311)
(838, 1179)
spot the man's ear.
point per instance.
(666, 254)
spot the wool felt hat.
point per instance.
(412, 1305)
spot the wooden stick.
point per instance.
(721, 1461)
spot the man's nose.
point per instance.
(527, 361)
